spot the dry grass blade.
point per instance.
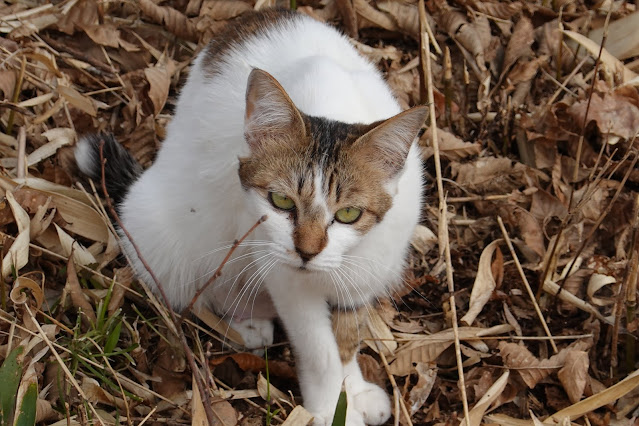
(526, 283)
(477, 413)
(443, 221)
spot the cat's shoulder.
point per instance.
(246, 26)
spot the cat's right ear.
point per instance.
(271, 115)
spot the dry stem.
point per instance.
(526, 284)
(204, 394)
(218, 272)
(443, 221)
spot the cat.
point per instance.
(280, 117)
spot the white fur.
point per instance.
(189, 205)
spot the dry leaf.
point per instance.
(426, 349)
(18, 254)
(531, 369)
(423, 239)
(222, 10)
(574, 374)
(22, 283)
(159, 80)
(450, 146)
(418, 395)
(622, 41)
(372, 16)
(298, 417)
(377, 335)
(78, 298)
(476, 415)
(596, 282)
(519, 43)
(616, 67)
(78, 100)
(600, 399)
(172, 19)
(406, 16)
(264, 389)
(614, 115)
(484, 284)
(71, 247)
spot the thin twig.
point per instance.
(526, 283)
(396, 390)
(22, 155)
(443, 220)
(204, 393)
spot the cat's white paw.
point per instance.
(369, 400)
(256, 333)
(353, 418)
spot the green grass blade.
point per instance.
(339, 419)
(27, 412)
(10, 373)
(113, 338)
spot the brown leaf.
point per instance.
(18, 254)
(622, 41)
(519, 44)
(574, 374)
(160, 81)
(172, 19)
(250, 362)
(406, 16)
(419, 393)
(222, 10)
(7, 83)
(531, 369)
(450, 146)
(78, 298)
(78, 100)
(459, 29)
(349, 17)
(372, 17)
(613, 114)
(484, 284)
(105, 34)
(498, 9)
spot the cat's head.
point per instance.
(323, 184)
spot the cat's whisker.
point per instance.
(264, 275)
(247, 286)
(240, 274)
(208, 274)
(229, 245)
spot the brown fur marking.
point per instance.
(346, 328)
(238, 31)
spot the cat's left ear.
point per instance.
(387, 144)
(271, 116)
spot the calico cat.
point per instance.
(280, 116)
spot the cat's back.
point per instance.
(318, 67)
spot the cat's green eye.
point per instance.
(281, 201)
(348, 214)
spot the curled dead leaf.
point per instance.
(484, 284)
(596, 283)
(18, 254)
(23, 283)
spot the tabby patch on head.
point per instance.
(321, 174)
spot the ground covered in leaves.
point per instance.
(536, 126)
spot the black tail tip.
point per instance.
(120, 168)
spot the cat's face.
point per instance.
(323, 184)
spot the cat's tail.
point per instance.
(120, 168)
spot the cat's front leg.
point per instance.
(367, 402)
(307, 320)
